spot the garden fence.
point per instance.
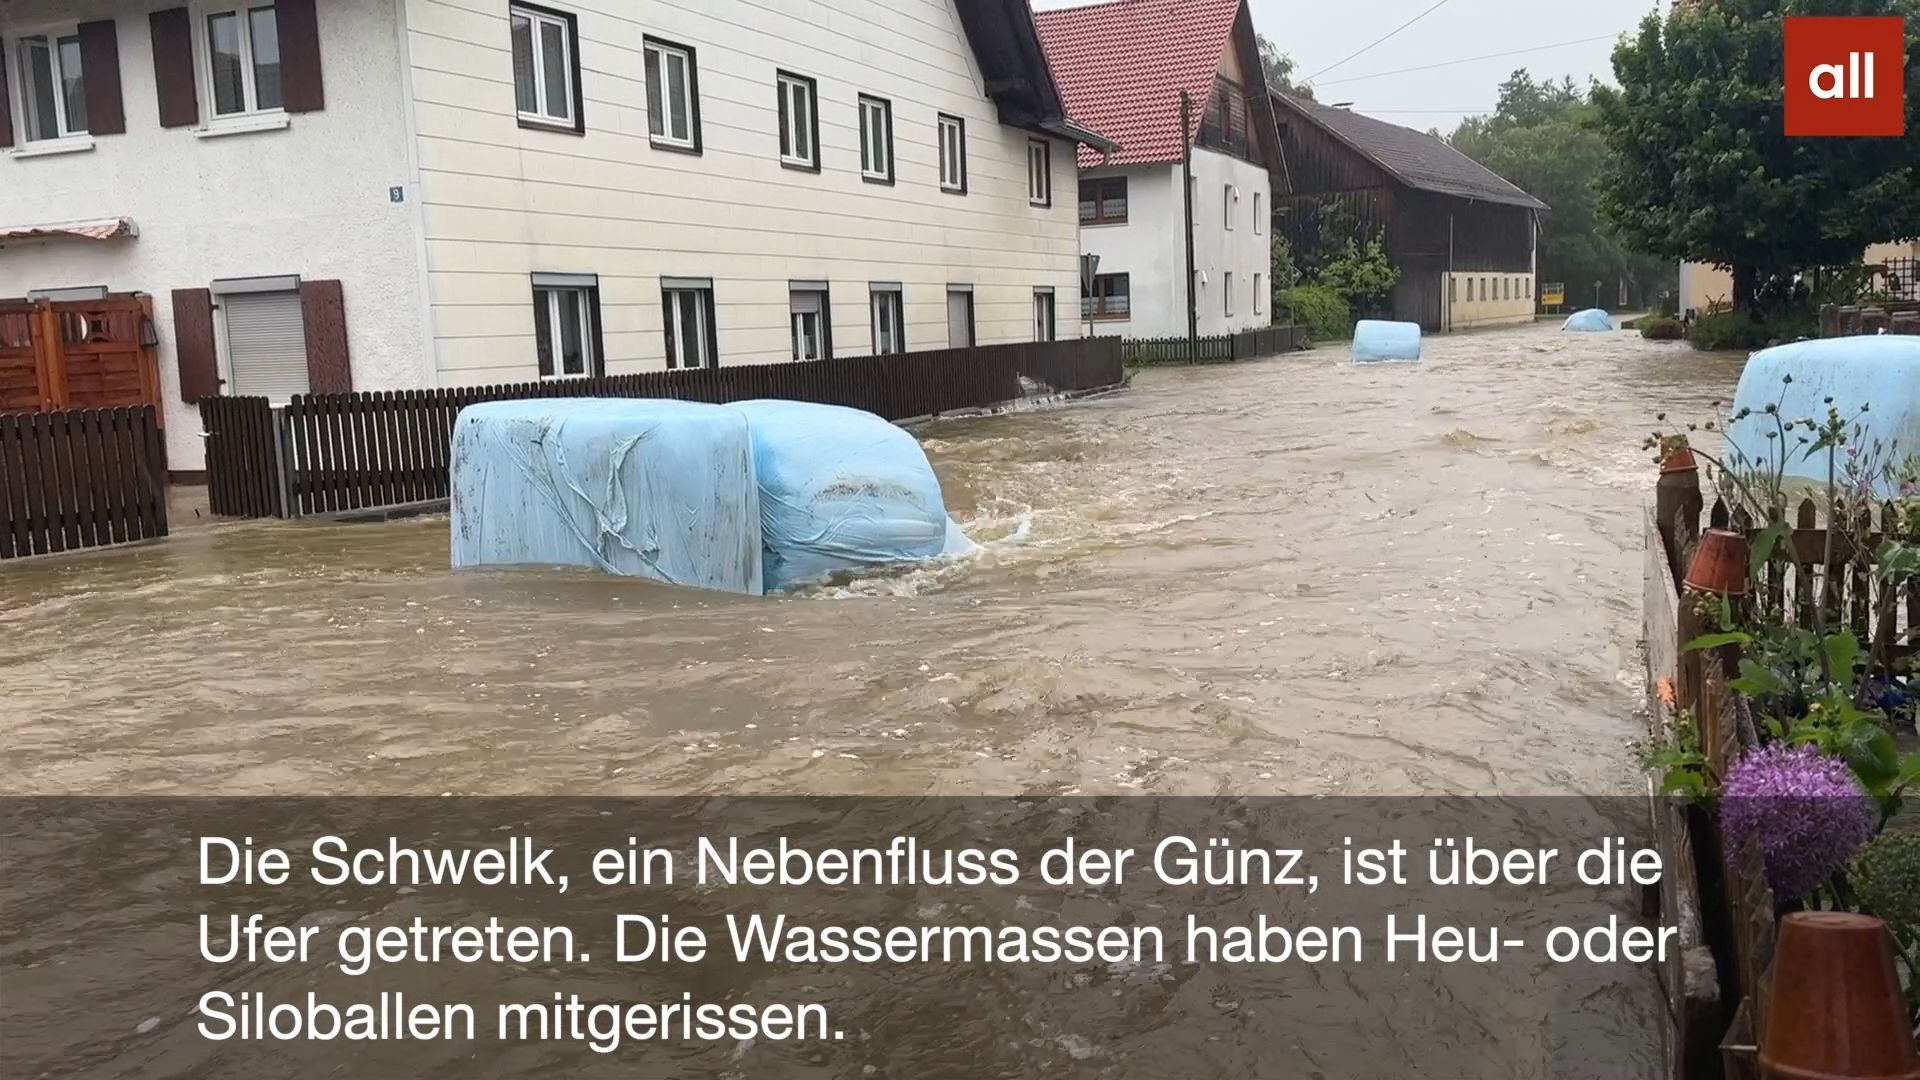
(78, 478)
(1220, 349)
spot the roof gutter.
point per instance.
(1067, 129)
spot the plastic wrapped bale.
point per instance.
(637, 487)
(1881, 371)
(1376, 339)
(842, 489)
(1590, 320)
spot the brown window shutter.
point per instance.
(174, 81)
(100, 64)
(193, 344)
(325, 316)
(300, 89)
(6, 106)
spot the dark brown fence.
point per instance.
(77, 478)
(352, 451)
(1221, 349)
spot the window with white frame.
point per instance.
(876, 139)
(889, 324)
(953, 154)
(243, 61)
(1259, 214)
(808, 309)
(673, 97)
(52, 88)
(687, 305)
(544, 71)
(1043, 315)
(1232, 204)
(566, 319)
(263, 339)
(1227, 291)
(799, 121)
(1039, 172)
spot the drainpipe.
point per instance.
(1186, 142)
(1449, 273)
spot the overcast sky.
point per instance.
(1318, 33)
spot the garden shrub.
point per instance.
(1661, 328)
(1746, 330)
(1321, 309)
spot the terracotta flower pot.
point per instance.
(1720, 564)
(1680, 460)
(1837, 1012)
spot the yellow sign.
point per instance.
(1553, 294)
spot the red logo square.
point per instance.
(1846, 75)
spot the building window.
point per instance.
(1259, 293)
(799, 122)
(687, 305)
(889, 325)
(673, 96)
(1529, 288)
(953, 154)
(876, 139)
(243, 61)
(53, 92)
(960, 317)
(1109, 298)
(1227, 292)
(546, 71)
(1259, 214)
(1232, 203)
(263, 336)
(1103, 201)
(1486, 288)
(810, 310)
(1453, 289)
(1506, 288)
(1044, 327)
(566, 325)
(1039, 172)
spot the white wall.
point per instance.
(1515, 305)
(311, 199)
(1151, 247)
(1147, 248)
(1244, 250)
(503, 201)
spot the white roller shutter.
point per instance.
(266, 344)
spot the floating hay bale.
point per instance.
(1590, 320)
(1375, 340)
(1881, 371)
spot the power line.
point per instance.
(1436, 6)
(1470, 59)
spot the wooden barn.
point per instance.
(1463, 237)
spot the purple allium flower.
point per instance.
(1806, 809)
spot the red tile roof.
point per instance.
(1121, 65)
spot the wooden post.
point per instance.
(1677, 504)
(49, 357)
(1186, 150)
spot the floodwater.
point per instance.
(1294, 576)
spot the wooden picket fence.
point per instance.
(78, 478)
(327, 453)
(1219, 349)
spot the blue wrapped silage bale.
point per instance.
(1588, 320)
(841, 489)
(637, 487)
(1377, 339)
(1881, 371)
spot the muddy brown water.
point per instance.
(1295, 576)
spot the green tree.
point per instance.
(1702, 169)
(1280, 70)
(1361, 274)
(1541, 137)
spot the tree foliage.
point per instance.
(1542, 138)
(1280, 69)
(1362, 274)
(1701, 167)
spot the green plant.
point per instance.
(1885, 877)
(1362, 275)
(1661, 328)
(1748, 330)
(1679, 760)
(1321, 310)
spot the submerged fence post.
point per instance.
(282, 466)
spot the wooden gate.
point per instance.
(76, 478)
(80, 354)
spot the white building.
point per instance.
(384, 194)
(1123, 66)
